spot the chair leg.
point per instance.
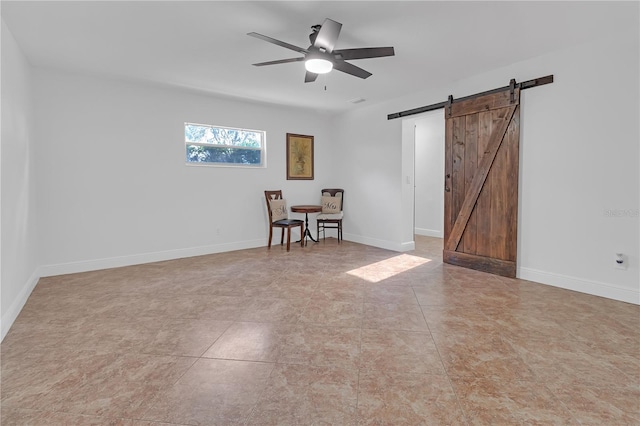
(288, 238)
(339, 231)
(270, 235)
(282, 237)
(301, 236)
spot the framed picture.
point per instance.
(299, 157)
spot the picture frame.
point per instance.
(299, 157)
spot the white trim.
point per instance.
(232, 165)
(219, 145)
(429, 232)
(9, 317)
(137, 259)
(581, 285)
(388, 245)
(407, 246)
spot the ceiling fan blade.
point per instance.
(280, 61)
(328, 35)
(310, 77)
(351, 69)
(364, 53)
(278, 42)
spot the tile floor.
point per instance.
(329, 334)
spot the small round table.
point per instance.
(306, 209)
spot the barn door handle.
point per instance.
(446, 188)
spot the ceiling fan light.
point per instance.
(318, 65)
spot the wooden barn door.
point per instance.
(481, 182)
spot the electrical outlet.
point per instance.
(620, 261)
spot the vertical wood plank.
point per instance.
(468, 242)
(497, 211)
(448, 166)
(457, 172)
(485, 126)
(512, 143)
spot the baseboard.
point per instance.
(137, 259)
(384, 244)
(581, 285)
(428, 232)
(408, 246)
(9, 317)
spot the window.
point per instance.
(224, 146)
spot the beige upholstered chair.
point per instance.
(279, 217)
(331, 216)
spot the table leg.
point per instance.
(307, 233)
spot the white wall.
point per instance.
(18, 244)
(370, 167)
(114, 189)
(579, 159)
(429, 173)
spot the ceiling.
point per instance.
(203, 46)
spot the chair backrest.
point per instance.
(335, 192)
(272, 195)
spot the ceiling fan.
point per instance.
(320, 57)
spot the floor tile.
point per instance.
(497, 402)
(473, 355)
(596, 405)
(113, 387)
(340, 289)
(333, 313)
(250, 341)
(407, 399)
(435, 294)
(566, 362)
(322, 346)
(285, 289)
(399, 351)
(448, 319)
(21, 417)
(223, 308)
(273, 310)
(394, 317)
(186, 337)
(307, 395)
(212, 392)
(390, 294)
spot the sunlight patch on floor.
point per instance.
(387, 268)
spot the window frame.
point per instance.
(262, 149)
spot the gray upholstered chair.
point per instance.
(332, 213)
(279, 217)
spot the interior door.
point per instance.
(482, 137)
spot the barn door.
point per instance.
(481, 182)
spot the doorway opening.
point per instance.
(423, 168)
